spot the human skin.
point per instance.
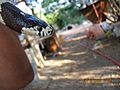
(15, 70)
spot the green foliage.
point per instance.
(52, 18)
(46, 3)
(68, 15)
(62, 16)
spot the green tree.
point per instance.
(62, 13)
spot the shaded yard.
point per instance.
(77, 68)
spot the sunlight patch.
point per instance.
(79, 53)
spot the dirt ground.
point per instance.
(78, 68)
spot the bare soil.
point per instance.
(78, 68)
